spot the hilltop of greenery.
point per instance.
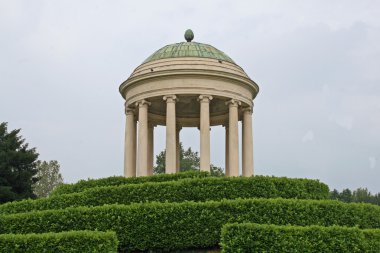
(189, 210)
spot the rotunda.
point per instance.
(187, 84)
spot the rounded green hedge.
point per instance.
(189, 189)
(119, 180)
(72, 241)
(190, 224)
(250, 237)
(373, 240)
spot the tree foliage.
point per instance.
(17, 166)
(48, 176)
(361, 195)
(216, 171)
(189, 160)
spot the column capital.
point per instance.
(247, 110)
(170, 98)
(142, 102)
(204, 98)
(129, 111)
(233, 103)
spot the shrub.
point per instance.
(373, 240)
(73, 241)
(189, 224)
(300, 188)
(119, 180)
(249, 237)
(194, 189)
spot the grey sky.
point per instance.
(317, 64)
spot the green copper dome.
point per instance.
(189, 49)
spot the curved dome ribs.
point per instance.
(189, 49)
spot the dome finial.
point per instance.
(189, 35)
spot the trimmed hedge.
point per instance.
(288, 186)
(373, 239)
(249, 237)
(73, 241)
(119, 180)
(194, 189)
(190, 224)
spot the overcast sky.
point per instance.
(317, 63)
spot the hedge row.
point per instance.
(194, 189)
(118, 180)
(73, 241)
(249, 237)
(373, 238)
(190, 224)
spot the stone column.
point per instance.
(247, 143)
(233, 137)
(143, 138)
(227, 170)
(135, 146)
(178, 149)
(205, 132)
(150, 148)
(129, 152)
(170, 157)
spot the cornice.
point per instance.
(168, 74)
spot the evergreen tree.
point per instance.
(17, 166)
